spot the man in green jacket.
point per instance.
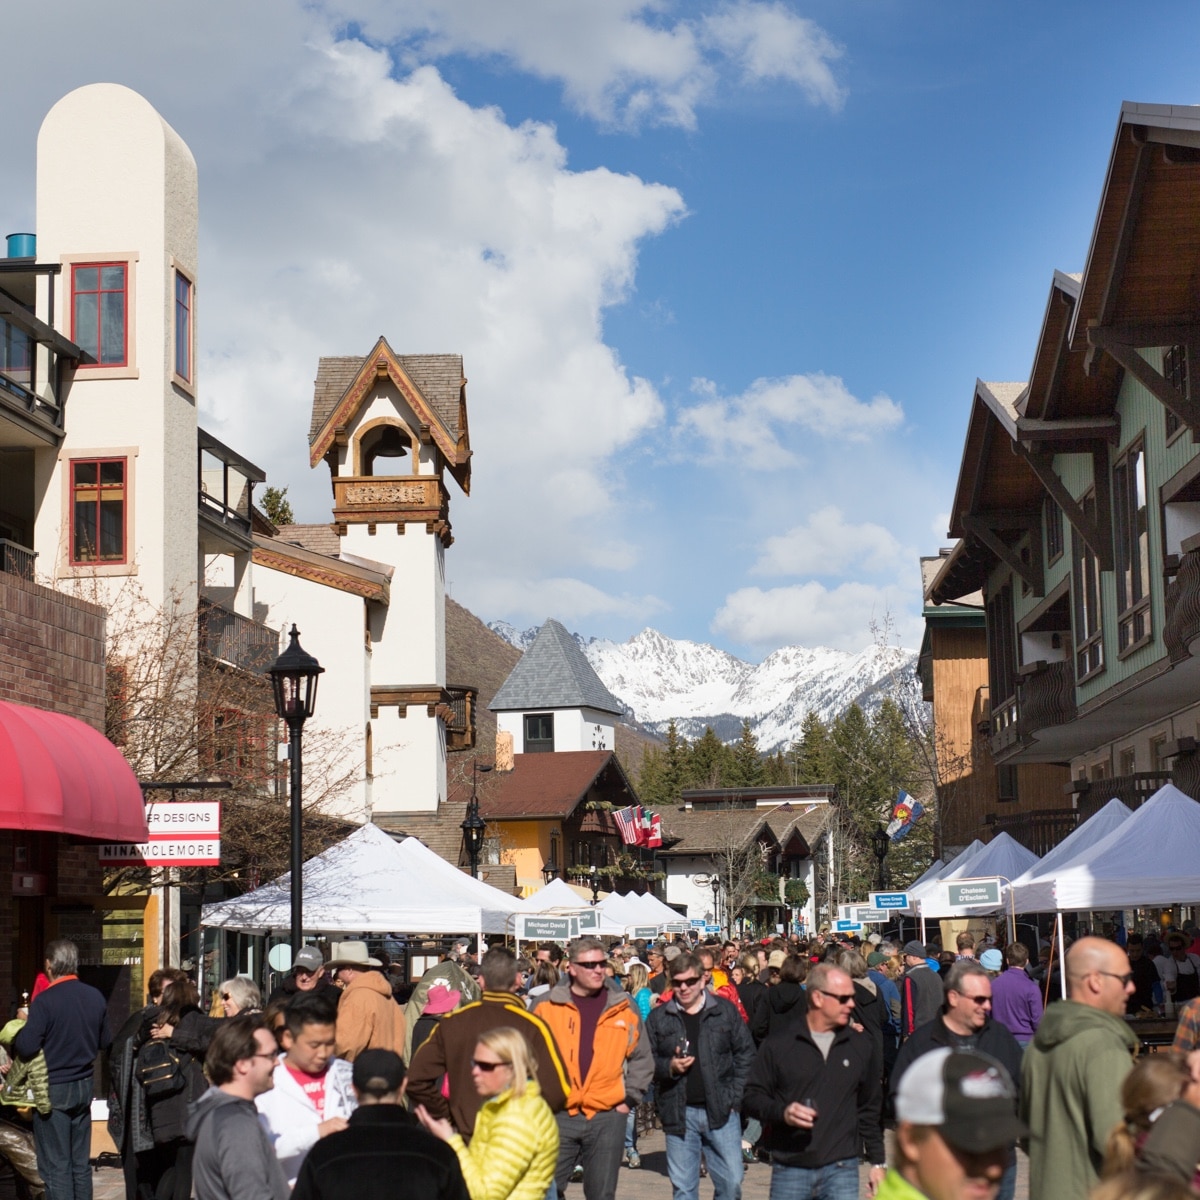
(1073, 1070)
(956, 1121)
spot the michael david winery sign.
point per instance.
(181, 835)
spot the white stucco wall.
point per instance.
(574, 728)
(116, 183)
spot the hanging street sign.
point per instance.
(888, 899)
(647, 932)
(187, 819)
(547, 929)
(866, 915)
(972, 892)
(589, 918)
(697, 922)
(847, 927)
(163, 852)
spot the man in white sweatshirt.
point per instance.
(313, 1095)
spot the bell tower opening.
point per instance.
(387, 450)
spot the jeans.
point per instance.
(722, 1148)
(631, 1131)
(597, 1144)
(834, 1181)
(63, 1140)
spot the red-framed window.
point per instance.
(99, 510)
(183, 326)
(99, 311)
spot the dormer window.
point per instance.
(539, 733)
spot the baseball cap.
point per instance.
(776, 959)
(875, 958)
(915, 949)
(992, 960)
(378, 1072)
(308, 959)
(968, 1096)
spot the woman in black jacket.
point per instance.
(787, 999)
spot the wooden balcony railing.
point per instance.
(1132, 790)
(1047, 695)
(1040, 829)
(1182, 604)
(229, 637)
(398, 499)
(460, 723)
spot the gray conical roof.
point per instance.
(553, 673)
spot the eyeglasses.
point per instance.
(975, 999)
(689, 982)
(487, 1067)
(834, 995)
(593, 964)
(272, 1057)
(1125, 979)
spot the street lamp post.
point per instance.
(294, 685)
(879, 844)
(594, 880)
(549, 872)
(474, 827)
(715, 884)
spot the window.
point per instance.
(1002, 647)
(1175, 370)
(1128, 761)
(183, 327)
(1158, 762)
(1089, 642)
(1054, 530)
(99, 310)
(539, 733)
(1133, 548)
(1006, 784)
(98, 510)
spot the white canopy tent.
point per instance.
(917, 891)
(1002, 857)
(1034, 891)
(652, 911)
(370, 883)
(934, 869)
(1148, 860)
(556, 896)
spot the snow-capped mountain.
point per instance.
(661, 679)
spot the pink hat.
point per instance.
(441, 999)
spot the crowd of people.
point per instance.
(496, 1076)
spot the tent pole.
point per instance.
(923, 941)
(1062, 957)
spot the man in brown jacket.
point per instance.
(450, 1048)
(368, 1018)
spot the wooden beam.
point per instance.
(1054, 383)
(1147, 334)
(1184, 407)
(1030, 572)
(1030, 429)
(1097, 535)
(985, 445)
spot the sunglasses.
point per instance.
(487, 1067)
(834, 995)
(691, 981)
(976, 999)
(226, 996)
(593, 964)
(1125, 979)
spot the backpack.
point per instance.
(159, 1069)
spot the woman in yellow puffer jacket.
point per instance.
(514, 1148)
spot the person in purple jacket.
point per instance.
(1016, 999)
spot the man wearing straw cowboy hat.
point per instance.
(367, 1016)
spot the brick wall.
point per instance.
(51, 650)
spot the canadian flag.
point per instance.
(654, 837)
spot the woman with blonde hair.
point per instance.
(514, 1148)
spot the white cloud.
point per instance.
(810, 614)
(757, 420)
(827, 544)
(939, 525)
(624, 63)
(565, 599)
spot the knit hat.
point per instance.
(992, 960)
(913, 949)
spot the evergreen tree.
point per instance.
(811, 754)
(746, 766)
(675, 758)
(275, 504)
(708, 762)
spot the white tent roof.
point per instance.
(934, 869)
(556, 896)
(652, 911)
(924, 887)
(1003, 856)
(370, 883)
(617, 912)
(1034, 891)
(1150, 859)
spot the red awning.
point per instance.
(62, 776)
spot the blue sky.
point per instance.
(723, 274)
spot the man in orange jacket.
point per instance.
(609, 1065)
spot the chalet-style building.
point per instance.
(750, 840)
(548, 804)
(1078, 507)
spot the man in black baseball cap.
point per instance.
(956, 1121)
(383, 1154)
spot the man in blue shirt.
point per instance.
(69, 1022)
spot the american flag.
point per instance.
(629, 824)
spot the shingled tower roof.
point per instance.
(553, 673)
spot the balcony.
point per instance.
(226, 496)
(231, 638)
(1047, 695)
(1040, 829)
(1182, 604)
(397, 499)
(1132, 790)
(1005, 727)
(16, 559)
(460, 717)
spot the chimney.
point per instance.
(504, 750)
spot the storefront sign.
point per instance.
(547, 929)
(888, 899)
(972, 892)
(647, 932)
(184, 820)
(163, 852)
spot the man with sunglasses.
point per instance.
(815, 1085)
(702, 1055)
(1073, 1071)
(607, 1056)
(966, 1024)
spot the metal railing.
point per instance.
(1039, 830)
(232, 638)
(16, 559)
